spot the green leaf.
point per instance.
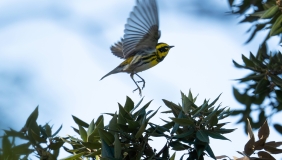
(57, 131)
(117, 147)
(185, 134)
(257, 62)
(113, 124)
(276, 26)
(13, 133)
(202, 136)
(124, 113)
(223, 130)
(133, 124)
(137, 105)
(216, 135)
(177, 146)
(214, 101)
(107, 151)
(262, 86)
(183, 121)
(129, 104)
(92, 145)
(277, 80)
(174, 108)
(248, 62)
(190, 96)
(33, 126)
(238, 96)
(32, 118)
(140, 131)
(37, 137)
(176, 125)
(90, 128)
(237, 65)
(83, 134)
(152, 115)
(57, 145)
(48, 130)
(22, 149)
(270, 12)
(210, 152)
(279, 95)
(106, 136)
(202, 108)
(6, 146)
(186, 103)
(80, 122)
(141, 111)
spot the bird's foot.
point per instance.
(143, 84)
(140, 92)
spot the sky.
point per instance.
(53, 54)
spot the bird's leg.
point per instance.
(140, 92)
(142, 80)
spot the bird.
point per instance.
(139, 46)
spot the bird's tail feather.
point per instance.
(116, 70)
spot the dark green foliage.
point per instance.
(266, 16)
(40, 141)
(192, 126)
(89, 144)
(263, 86)
(128, 134)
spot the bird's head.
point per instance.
(162, 49)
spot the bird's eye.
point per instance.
(163, 49)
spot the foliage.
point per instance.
(128, 134)
(40, 140)
(263, 15)
(265, 148)
(263, 86)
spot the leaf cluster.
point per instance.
(89, 144)
(263, 88)
(192, 126)
(40, 140)
(130, 131)
(266, 16)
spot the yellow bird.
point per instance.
(139, 45)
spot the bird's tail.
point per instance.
(116, 70)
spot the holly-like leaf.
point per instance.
(129, 104)
(183, 121)
(202, 136)
(80, 122)
(83, 134)
(106, 136)
(270, 12)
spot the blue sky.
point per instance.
(53, 54)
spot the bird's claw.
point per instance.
(143, 84)
(140, 92)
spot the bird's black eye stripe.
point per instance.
(163, 49)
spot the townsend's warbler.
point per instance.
(139, 45)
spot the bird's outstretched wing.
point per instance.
(142, 28)
(117, 49)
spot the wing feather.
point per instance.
(117, 49)
(142, 28)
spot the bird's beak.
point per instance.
(171, 46)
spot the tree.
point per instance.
(129, 133)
